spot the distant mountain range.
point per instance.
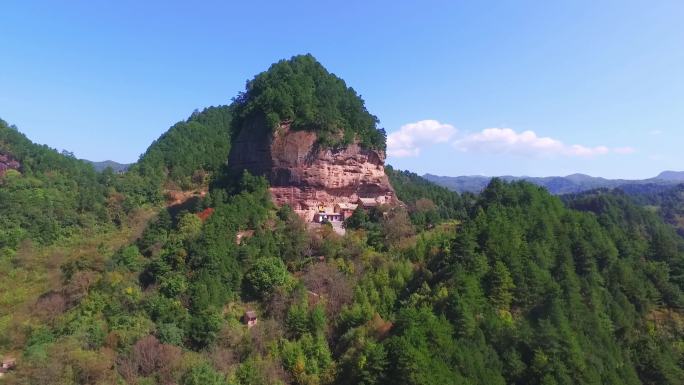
(671, 176)
(574, 183)
(116, 167)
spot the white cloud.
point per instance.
(410, 138)
(527, 143)
(655, 132)
(624, 150)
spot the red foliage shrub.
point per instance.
(205, 214)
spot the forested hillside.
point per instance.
(301, 91)
(190, 151)
(49, 195)
(668, 202)
(101, 283)
(428, 203)
(524, 290)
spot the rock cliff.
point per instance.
(304, 175)
(8, 163)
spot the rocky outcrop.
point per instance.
(8, 163)
(306, 176)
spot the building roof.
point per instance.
(347, 206)
(368, 202)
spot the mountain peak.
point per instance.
(311, 136)
(671, 175)
(103, 165)
(303, 94)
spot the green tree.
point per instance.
(203, 374)
(265, 275)
(357, 220)
(203, 327)
(303, 93)
(500, 286)
(189, 226)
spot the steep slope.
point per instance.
(189, 150)
(320, 147)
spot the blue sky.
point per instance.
(463, 87)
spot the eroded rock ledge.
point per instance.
(305, 176)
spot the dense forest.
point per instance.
(522, 289)
(302, 92)
(428, 203)
(190, 151)
(667, 201)
(49, 195)
(53, 195)
(104, 282)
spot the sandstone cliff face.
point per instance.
(303, 175)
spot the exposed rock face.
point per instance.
(7, 163)
(305, 176)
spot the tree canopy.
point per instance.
(189, 150)
(302, 92)
(51, 194)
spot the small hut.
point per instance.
(250, 318)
